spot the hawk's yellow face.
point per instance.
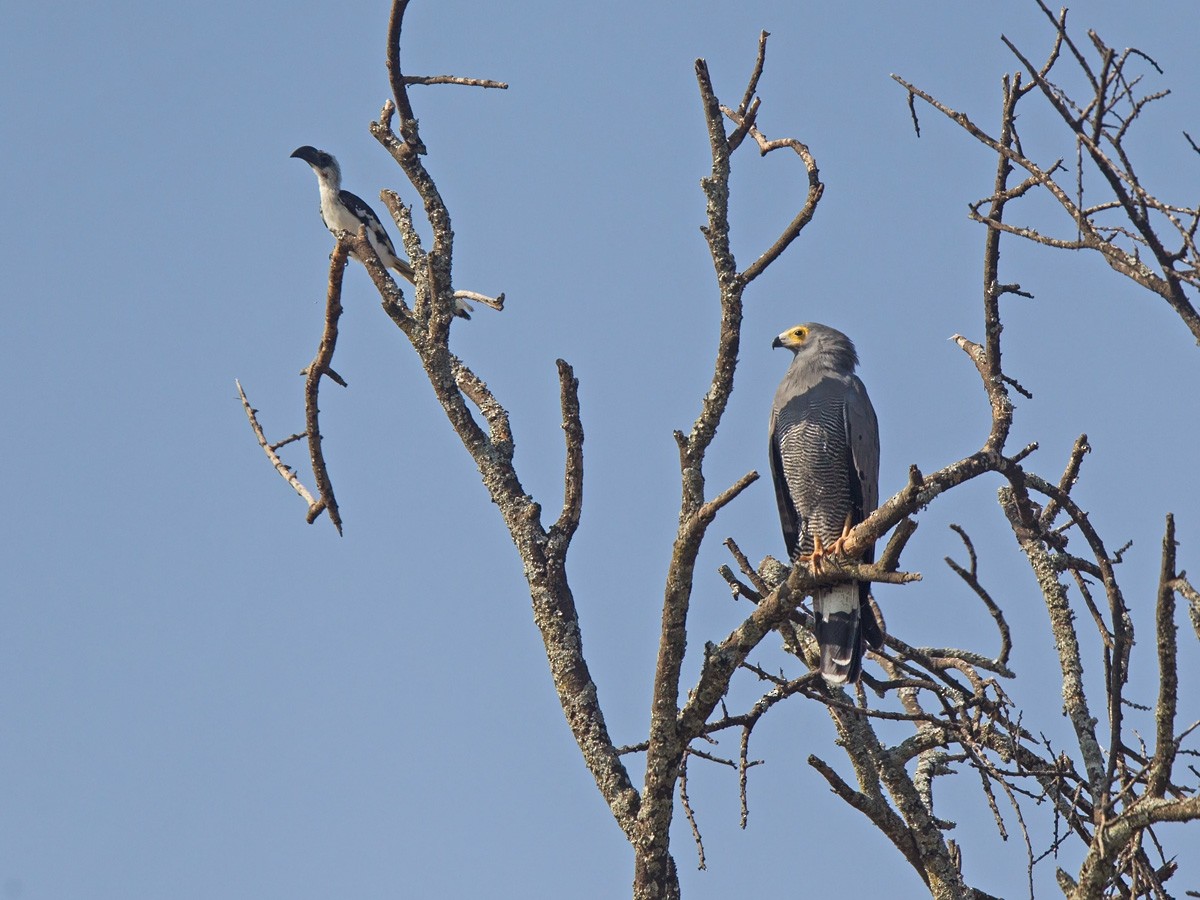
(793, 338)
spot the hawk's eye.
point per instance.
(800, 333)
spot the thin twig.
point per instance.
(687, 811)
(280, 466)
(454, 79)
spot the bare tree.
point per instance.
(931, 709)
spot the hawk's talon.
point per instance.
(838, 548)
(817, 556)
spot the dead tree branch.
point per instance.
(1115, 804)
(320, 367)
(1134, 243)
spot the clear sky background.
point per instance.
(201, 696)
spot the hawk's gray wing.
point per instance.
(862, 433)
(788, 518)
(862, 436)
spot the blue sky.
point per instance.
(206, 697)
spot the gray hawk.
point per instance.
(825, 464)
